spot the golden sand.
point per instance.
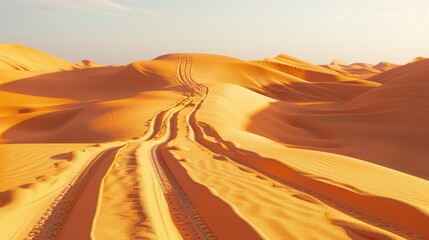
(198, 146)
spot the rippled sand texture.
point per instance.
(198, 146)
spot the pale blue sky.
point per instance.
(120, 31)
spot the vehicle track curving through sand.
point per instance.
(51, 224)
(165, 201)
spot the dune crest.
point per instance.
(417, 59)
(203, 146)
(19, 57)
(87, 64)
(340, 62)
(303, 69)
(359, 70)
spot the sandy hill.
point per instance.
(340, 62)
(203, 146)
(417, 59)
(87, 64)
(384, 66)
(399, 71)
(19, 57)
(359, 70)
(304, 70)
(403, 86)
(71, 99)
(382, 114)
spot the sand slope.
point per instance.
(200, 146)
(19, 57)
(414, 65)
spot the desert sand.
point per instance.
(201, 146)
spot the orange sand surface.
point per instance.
(199, 146)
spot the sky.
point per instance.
(122, 31)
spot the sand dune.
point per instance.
(302, 69)
(418, 59)
(88, 64)
(200, 146)
(19, 57)
(402, 70)
(359, 70)
(384, 66)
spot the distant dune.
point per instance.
(202, 146)
(417, 59)
(304, 70)
(360, 70)
(88, 64)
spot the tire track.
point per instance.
(124, 178)
(198, 93)
(187, 220)
(292, 179)
(227, 150)
(50, 224)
